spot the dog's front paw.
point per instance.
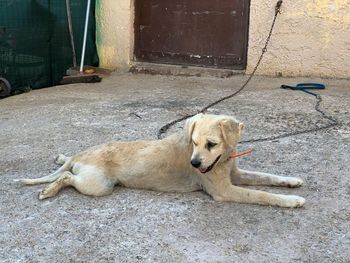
(293, 201)
(294, 182)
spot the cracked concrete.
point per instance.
(144, 226)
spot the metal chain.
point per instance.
(264, 50)
(333, 121)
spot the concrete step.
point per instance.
(181, 70)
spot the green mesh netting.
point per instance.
(35, 48)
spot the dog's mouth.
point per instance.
(208, 169)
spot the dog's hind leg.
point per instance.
(243, 177)
(88, 181)
(49, 178)
(64, 180)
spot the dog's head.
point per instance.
(213, 137)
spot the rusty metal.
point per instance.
(202, 33)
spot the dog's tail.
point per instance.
(49, 178)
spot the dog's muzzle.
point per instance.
(208, 169)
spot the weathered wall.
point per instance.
(115, 34)
(311, 38)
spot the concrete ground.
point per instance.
(144, 226)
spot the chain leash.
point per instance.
(334, 122)
(167, 126)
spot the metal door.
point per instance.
(211, 33)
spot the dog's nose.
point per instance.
(196, 163)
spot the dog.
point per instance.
(196, 159)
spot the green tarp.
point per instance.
(35, 48)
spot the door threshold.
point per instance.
(181, 70)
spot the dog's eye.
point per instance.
(194, 143)
(210, 145)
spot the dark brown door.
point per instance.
(212, 33)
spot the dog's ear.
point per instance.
(241, 128)
(190, 125)
(231, 131)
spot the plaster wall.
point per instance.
(311, 38)
(114, 32)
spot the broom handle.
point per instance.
(85, 33)
(70, 28)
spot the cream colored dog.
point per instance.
(196, 159)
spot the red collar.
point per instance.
(240, 154)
